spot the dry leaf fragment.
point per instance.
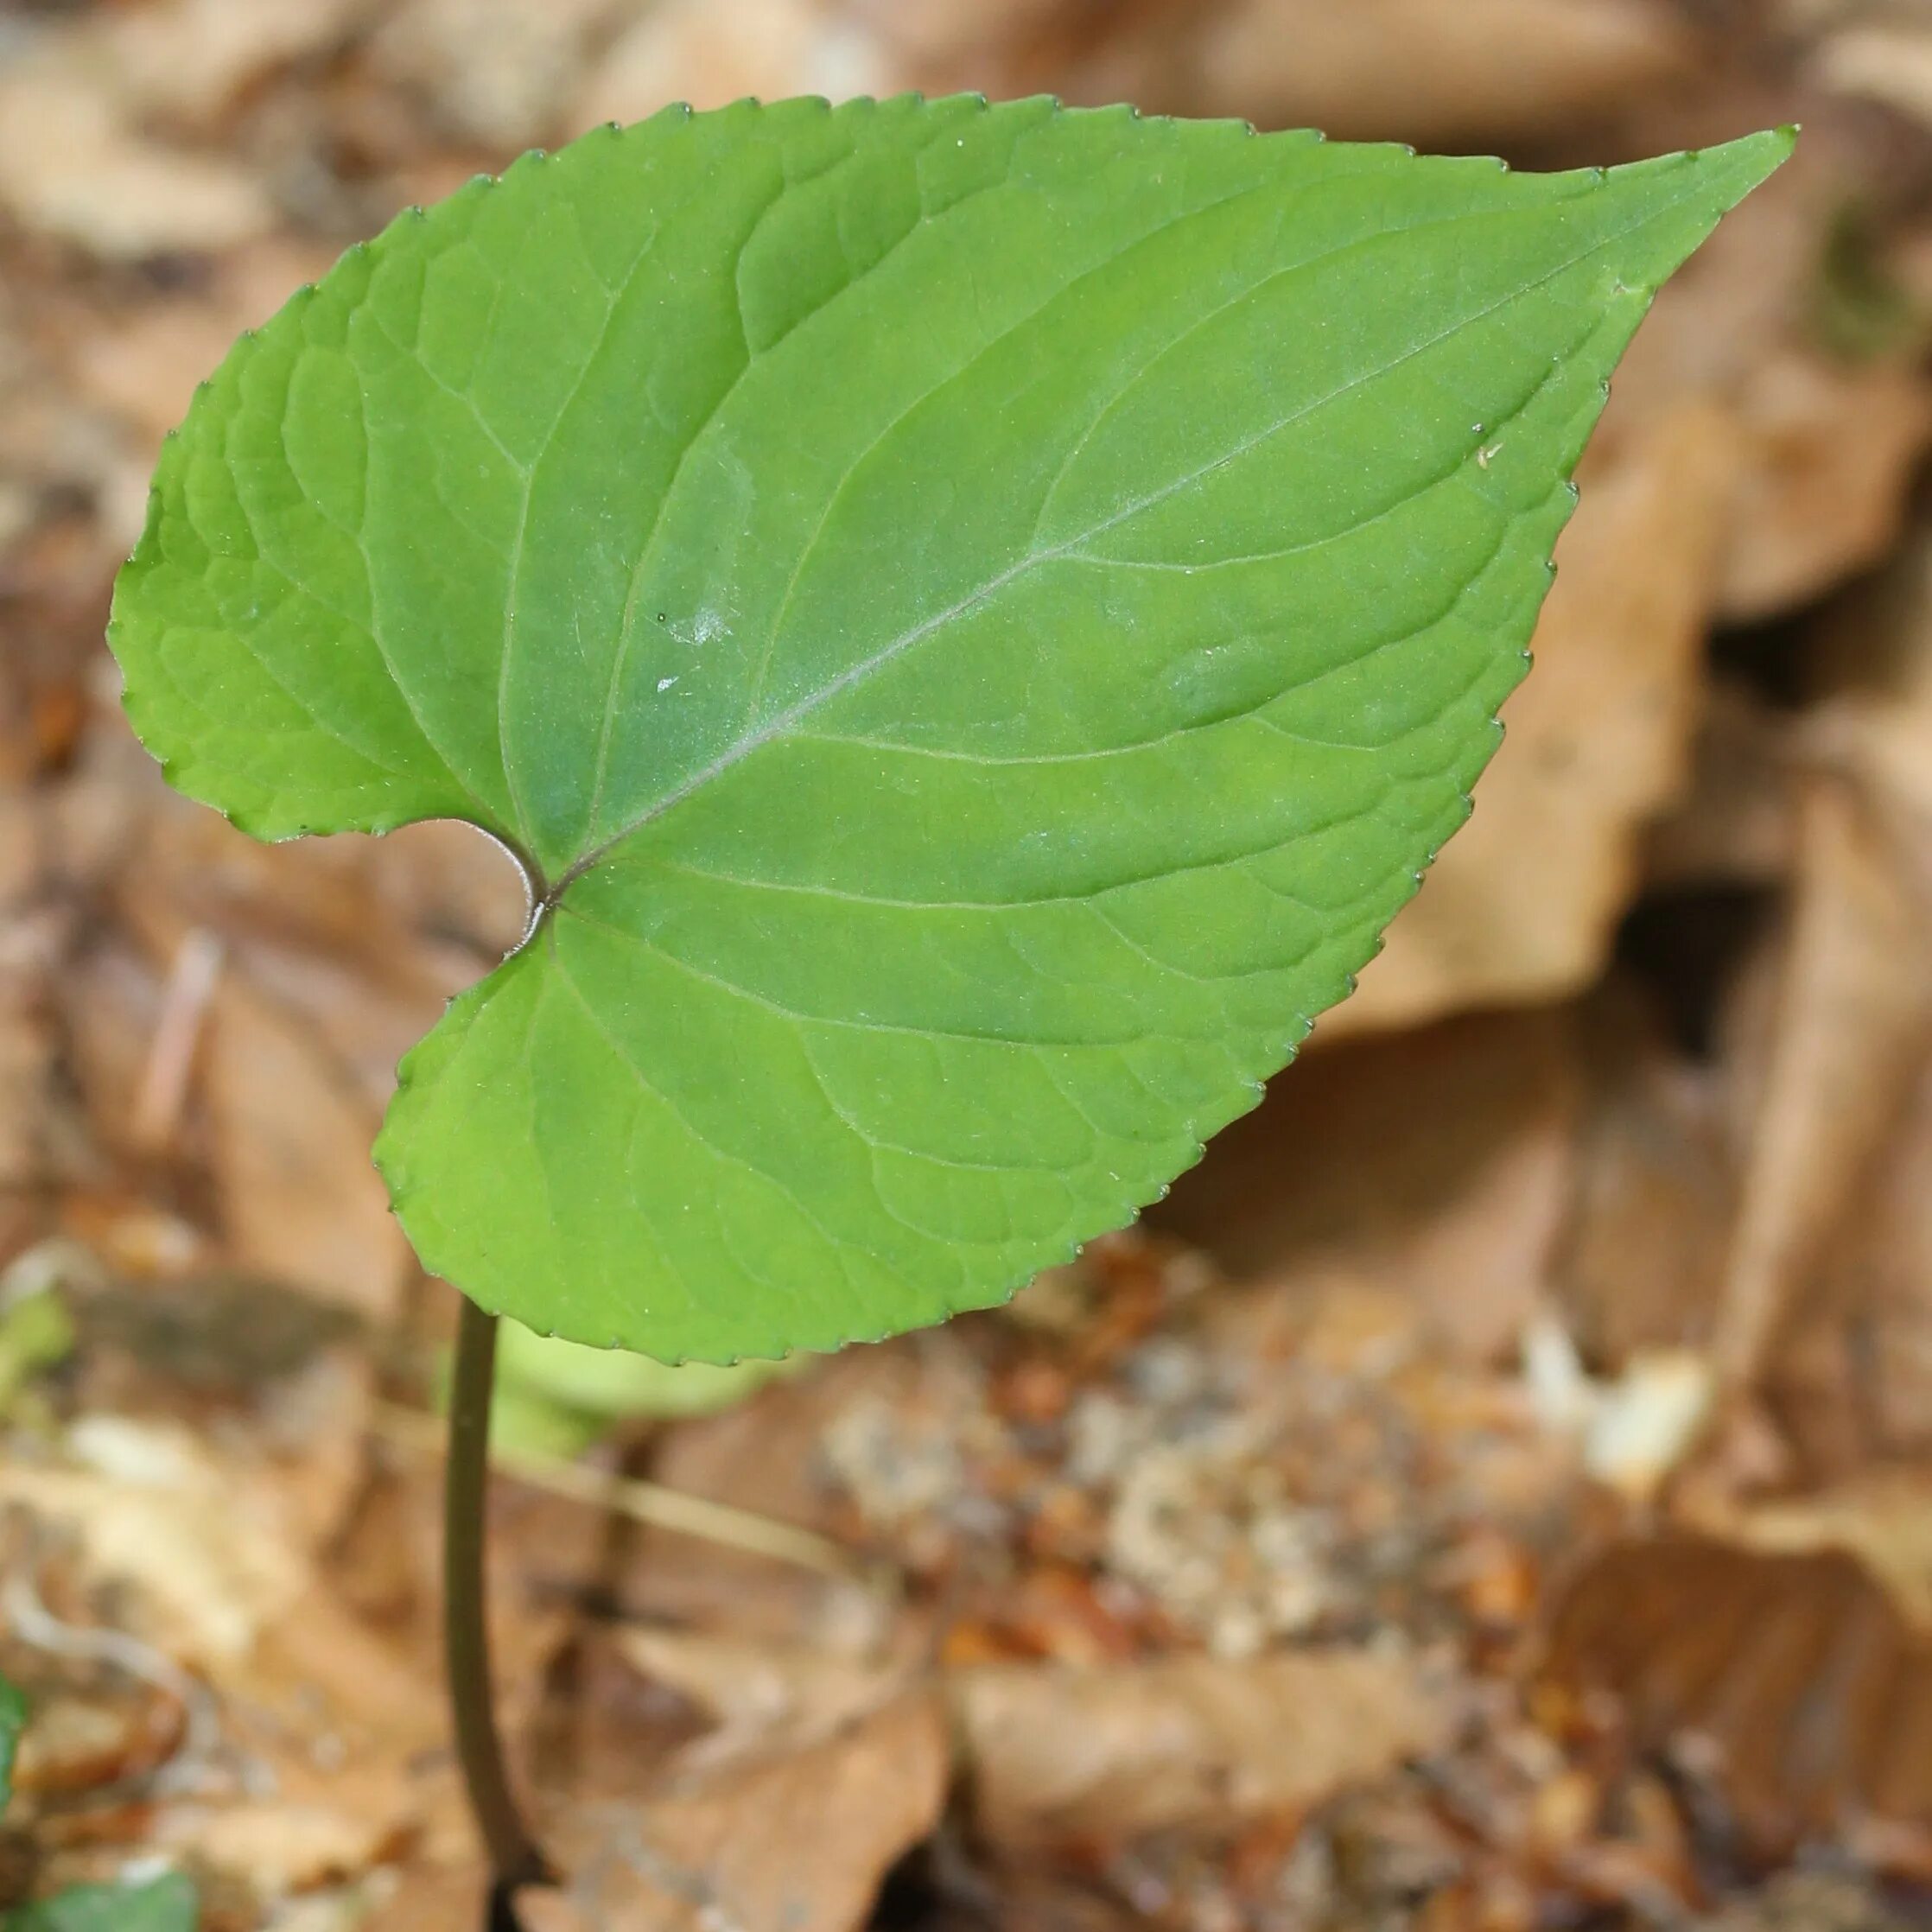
(71, 166)
(494, 71)
(1349, 1164)
(1892, 64)
(1778, 1646)
(1830, 453)
(1640, 1262)
(314, 1749)
(695, 51)
(1873, 655)
(1736, 824)
(1880, 1275)
(1883, 1518)
(301, 1201)
(1185, 1742)
(1410, 69)
(798, 1842)
(1433, 74)
(190, 59)
(949, 45)
(1852, 1011)
(150, 1507)
(172, 1049)
(767, 1698)
(1826, 448)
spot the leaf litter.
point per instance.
(1491, 1493)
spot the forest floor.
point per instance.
(1494, 1491)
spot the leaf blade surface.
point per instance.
(976, 618)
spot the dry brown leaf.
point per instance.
(1410, 69)
(767, 1698)
(793, 1843)
(73, 167)
(494, 71)
(29, 942)
(1864, 1328)
(460, 891)
(1873, 655)
(768, 1456)
(1848, 1020)
(1826, 448)
(1432, 74)
(1829, 457)
(1891, 63)
(110, 1002)
(1428, 1170)
(213, 1564)
(1883, 1517)
(1805, 1686)
(360, 941)
(429, 1897)
(289, 1141)
(26, 1074)
(696, 51)
(1185, 1742)
(1640, 1262)
(417, 909)
(190, 59)
(1737, 824)
(1351, 1164)
(319, 1749)
(1524, 902)
(346, 1739)
(287, 1844)
(949, 46)
(1878, 1272)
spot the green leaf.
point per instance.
(168, 1904)
(36, 1333)
(607, 1388)
(973, 618)
(553, 1400)
(13, 1722)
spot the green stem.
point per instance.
(514, 1857)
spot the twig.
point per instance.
(34, 1623)
(647, 1503)
(177, 1035)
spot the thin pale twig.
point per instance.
(177, 1036)
(34, 1623)
(647, 1503)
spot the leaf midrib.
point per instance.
(753, 742)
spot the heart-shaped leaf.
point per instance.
(167, 1904)
(973, 618)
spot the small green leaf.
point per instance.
(168, 1904)
(973, 619)
(553, 1400)
(13, 1722)
(36, 1333)
(614, 1386)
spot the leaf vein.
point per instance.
(916, 633)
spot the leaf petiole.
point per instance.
(515, 1859)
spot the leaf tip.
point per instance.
(1751, 161)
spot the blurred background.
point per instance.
(1494, 1491)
